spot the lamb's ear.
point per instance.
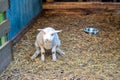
(40, 29)
(56, 31)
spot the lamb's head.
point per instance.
(49, 34)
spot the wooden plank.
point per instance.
(81, 5)
(4, 27)
(17, 38)
(3, 5)
(5, 55)
(22, 12)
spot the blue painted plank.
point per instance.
(21, 13)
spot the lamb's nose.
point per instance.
(46, 40)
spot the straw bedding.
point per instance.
(87, 57)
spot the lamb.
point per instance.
(47, 39)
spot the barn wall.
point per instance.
(85, 0)
(20, 13)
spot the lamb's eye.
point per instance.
(52, 34)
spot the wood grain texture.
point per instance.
(5, 55)
(4, 27)
(81, 5)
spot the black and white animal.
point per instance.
(47, 39)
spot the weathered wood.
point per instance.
(4, 27)
(50, 0)
(3, 5)
(5, 55)
(94, 0)
(81, 5)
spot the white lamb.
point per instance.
(47, 39)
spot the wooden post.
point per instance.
(5, 55)
(5, 46)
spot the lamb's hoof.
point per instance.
(54, 60)
(63, 53)
(43, 60)
(32, 58)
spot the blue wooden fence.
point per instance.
(20, 13)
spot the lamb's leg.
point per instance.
(54, 53)
(37, 52)
(42, 53)
(59, 51)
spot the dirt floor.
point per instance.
(87, 57)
